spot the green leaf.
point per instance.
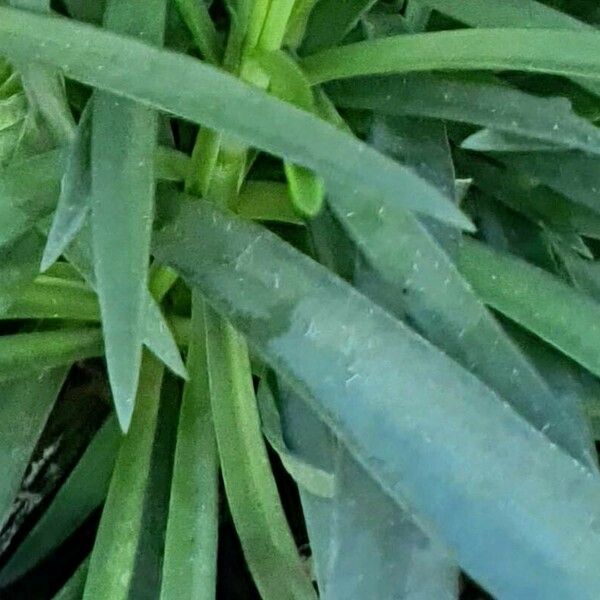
(45, 86)
(315, 480)
(432, 434)
(421, 144)
(189, 570)
(568, 53)
(538, 203)
(485, 103)
(396, 559)
(513, 286)
(512, 13)
(195, 93)
(73, 589)
(147, 571)
(307, 190)
(268, 545)
(407, 559)
(266, 201)
(82, 492)
(19, 263)
(417, 262)
(26, 404)
(156, 331)
(330, 21)
(124, 136)
(47, 349)
(490, 140)
(74, 200)
(508, 13)
(54, 298)
(12, 110)
(573, 174)
(196, 17)
(114, 554)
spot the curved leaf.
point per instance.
(190, 89)
(512, 286)
(428, 431)
(568, 53)
(486, 103)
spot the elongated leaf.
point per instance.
(536, 202)
(421, 144)
(196, 17)
(537, 51)
(83, 492)
(53, 298)
(189, 570)
(249, 114)
(508, 13)
(307, 190)
(330, 21)
(430, 434)
(314, 479)
(147, 571)
(26, 404)
(19, 264)
(404, 561)
(47, 349)
(573, 174)
(482, 103)
(268, 545)
(512, 13)
(157, 334)
(396, 559)
(490, 140)
(124, 137)
(575, 333)
(74, 200)
(416, 262)
(114, 554)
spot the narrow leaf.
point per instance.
(433, 436)
(53, 298)
(485, 103)
(330, 21)
(113, 557)
(124, 136)
(537, 51)
(193, 90)
(513, 286)
(74, 200)
(47, 349)
(268, 545)
(513, 13)
(189, 570)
